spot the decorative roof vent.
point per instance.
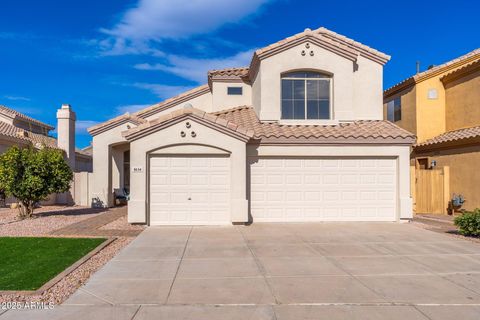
(187, 105)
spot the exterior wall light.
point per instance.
(183, 134)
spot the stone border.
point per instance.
(62, 274)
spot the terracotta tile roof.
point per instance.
(15, 114)
(366, 50)
(227, 125)
(463, 70)
(36, 139)
(185, 96)
(229, 72)
(449, 65)
(124, 118)
(452, 136)
(360, 130)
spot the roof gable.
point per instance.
(218, 123)
(323, 38)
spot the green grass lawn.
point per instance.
(28, 263)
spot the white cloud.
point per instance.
(17, 98)
(156, 20)
(196, 69)
(81, 126)
(131, 108)
(161, 90)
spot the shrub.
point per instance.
(31, 175)
(469, 223)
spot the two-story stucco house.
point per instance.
(441, 106)
(299, 135)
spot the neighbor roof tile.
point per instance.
(452, 136)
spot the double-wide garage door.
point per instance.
(328, 189)
(190, 190)
(195, 190)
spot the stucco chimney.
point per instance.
(66, 132)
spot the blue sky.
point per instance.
(111, 56)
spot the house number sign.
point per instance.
(137, 169)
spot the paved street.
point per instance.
(282, 271)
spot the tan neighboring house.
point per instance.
(442, 107)
(19, 129)
(298, 135)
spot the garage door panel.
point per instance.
(189, 190)
(323, 189)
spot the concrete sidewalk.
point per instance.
(282, 271)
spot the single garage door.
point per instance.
(327, 189)
(190, 190)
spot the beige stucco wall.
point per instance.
(257, 91)
(202, 102)
(222, 101)
(170, 136)
(463, 102)
(402, 153)
(357, 87)
(464, 175)
(367, 86)
(409, 112)
(103, 168)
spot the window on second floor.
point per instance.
(394, 110)
(306, 95)
(234, 91)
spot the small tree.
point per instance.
(31, 175)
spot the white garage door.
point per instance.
(327, 189)
(189, 190)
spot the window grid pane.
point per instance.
(305, 98)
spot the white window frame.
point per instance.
(330, 97)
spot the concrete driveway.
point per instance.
(282, 271)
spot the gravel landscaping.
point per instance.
(45, 220)
(441, 224)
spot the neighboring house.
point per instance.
(299, 135)
(19, 129)
(442, 107)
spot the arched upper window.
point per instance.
(306, 95)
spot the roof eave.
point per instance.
(103, 127)
(334, 141)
